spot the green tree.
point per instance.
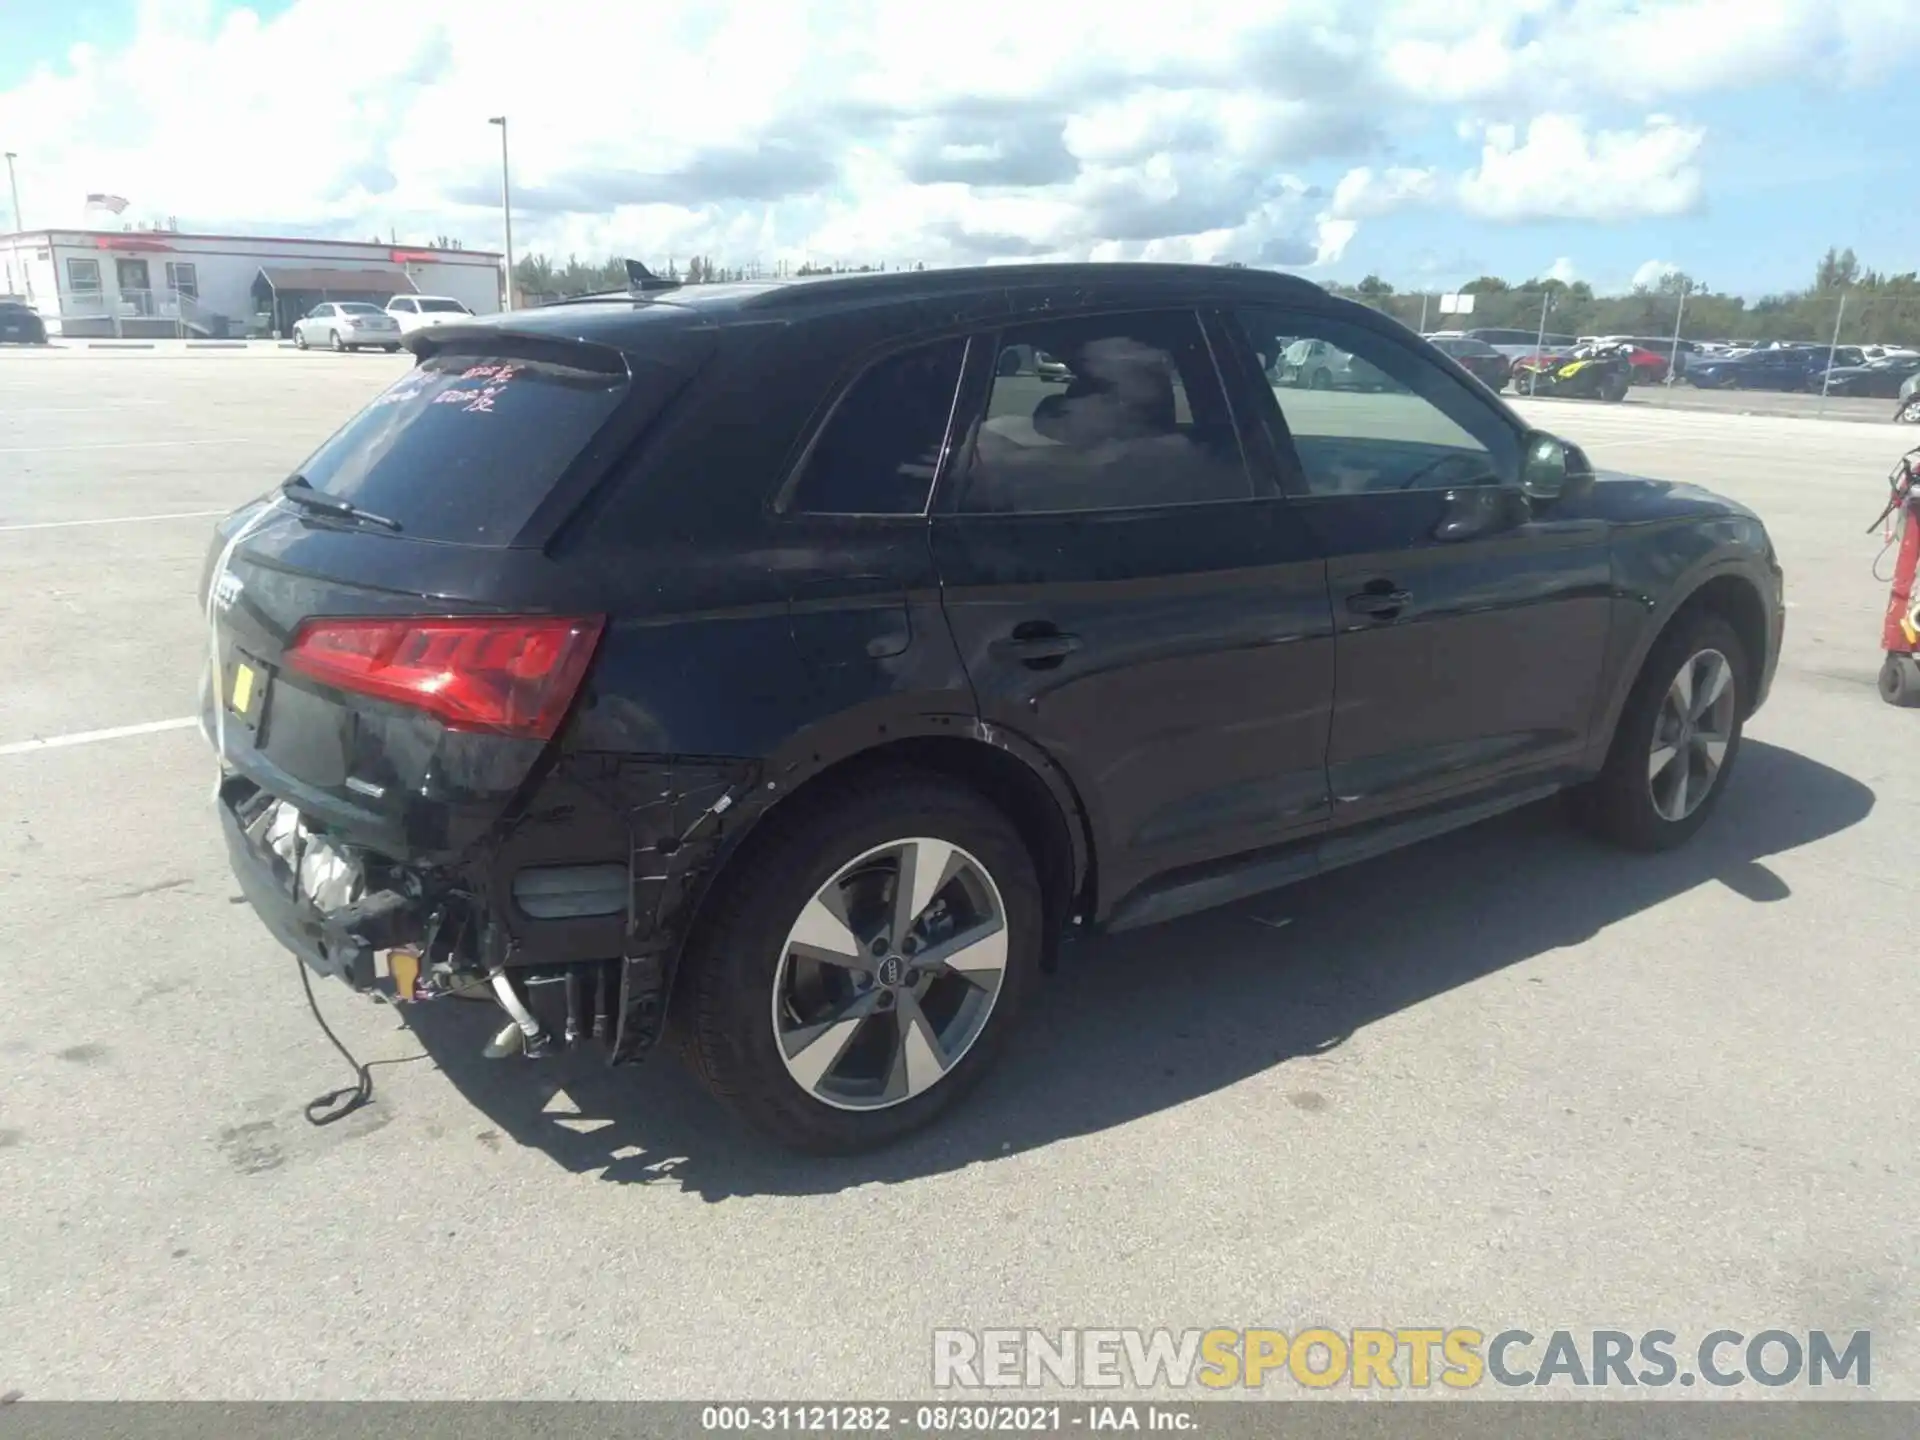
(1838, 270)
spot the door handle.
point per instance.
(1037, 648)
(1382, 604)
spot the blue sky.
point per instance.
(1427, 141)
(1787, 172)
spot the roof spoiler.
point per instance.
(642, 281)
(492, 338)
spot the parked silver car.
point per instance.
(346, 325)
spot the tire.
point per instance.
(334, 340)
(738, 982)
(1321, 380)
(1908, 412)
(1619, 803)
(1617, 391)
(391, 349)
(1900, 681)
(299, 339)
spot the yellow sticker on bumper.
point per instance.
(242, 687)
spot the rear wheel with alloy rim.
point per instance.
(864, 959)
(1909, 411)
(864, 1024)
(1677, 739)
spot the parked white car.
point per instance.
(346, 325)
(418, 312)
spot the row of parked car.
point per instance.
(1491, 352)
(1874, 371)
(1839, 370)
(356, 325)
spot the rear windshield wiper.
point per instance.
(300, 491)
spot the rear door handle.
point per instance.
(1049, 647)
(1382, 604)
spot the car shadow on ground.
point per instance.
(1139, 1023)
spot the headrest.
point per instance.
(1121, 389)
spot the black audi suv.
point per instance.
(771, 667)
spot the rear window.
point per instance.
(463, 448)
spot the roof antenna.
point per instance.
(641, 280)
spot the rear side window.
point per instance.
(463, 448)
(881, 446)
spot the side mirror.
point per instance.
(1553, 468)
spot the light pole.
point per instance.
(506, 202)
(13, 184)
(1826, 376)
(1673, 355)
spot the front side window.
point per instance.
(1110, 412)
(402, 306)
(1367, 414)
(881, 445)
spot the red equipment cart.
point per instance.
(1900, 630)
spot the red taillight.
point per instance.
(510, 675)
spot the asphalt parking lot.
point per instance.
(1509, 1079)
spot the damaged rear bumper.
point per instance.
(581, 959)
(336, 941)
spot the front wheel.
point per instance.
(865, 959)
(333, 339)
(299, 339)
(1908, 411)
(391, 349)
(1677, 739)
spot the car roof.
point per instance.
(970, 294)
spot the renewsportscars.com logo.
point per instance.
(1414, 1358)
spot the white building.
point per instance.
(163, 283)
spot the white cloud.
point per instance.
(1560, 171)
(1653, 272)
(1366, 194)
(1563, 270)
(861, 130)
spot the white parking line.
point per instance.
(103, 407)
(89, 737)
(134, 445)
(112, 520)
